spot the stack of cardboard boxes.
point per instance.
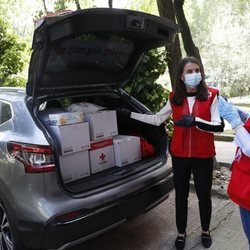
(90, 143)
(73, 134)
(102, 127)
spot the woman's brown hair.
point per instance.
(180, 87)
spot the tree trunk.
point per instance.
(110, 3)
(187, 39)
(45, 7)
(166, 9)
(78, 7)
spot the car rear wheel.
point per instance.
(6, 240)
(9, 239)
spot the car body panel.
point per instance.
(41, 198)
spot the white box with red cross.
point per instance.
(101, 155)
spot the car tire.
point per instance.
(8, 235)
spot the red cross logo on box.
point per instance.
(102, 156)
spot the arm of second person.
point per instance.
(155, 119)
(242, 139)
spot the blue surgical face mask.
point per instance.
(192, 80)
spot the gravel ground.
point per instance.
(222, 176)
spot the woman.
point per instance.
(195, 114)
(238, 190)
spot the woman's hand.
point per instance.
(186, 121)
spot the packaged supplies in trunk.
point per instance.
(73, 138)
(101, 155)
(127, 149)
(65, 118)
(85, 107)
(74, 166)
(102, 124)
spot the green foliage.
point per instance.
(149, 6)
(72, 4)
(220, 31)
(12, 58)
(169, 126)
(90, 3)
(239, 89)
(14, 81)
(145, 87)
(60, 5)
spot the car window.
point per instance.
(90, 52)
(5, 112)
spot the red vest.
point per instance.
(192, 142)
(239, 185)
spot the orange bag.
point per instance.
(147, 149)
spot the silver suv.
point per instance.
(84, 56)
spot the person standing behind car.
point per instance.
(238, 193)
(195, 114)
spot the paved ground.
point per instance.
(156, 229)
(225, 151)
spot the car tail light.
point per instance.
(36, 158)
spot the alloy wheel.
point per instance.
(6, 242)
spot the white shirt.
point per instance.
(161, 116)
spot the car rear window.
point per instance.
(90, 52)
(6, 113)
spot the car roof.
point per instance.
(12, 93)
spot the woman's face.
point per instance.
(190, 68)
(191, 76)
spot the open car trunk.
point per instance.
(85, 57)
(154, 136)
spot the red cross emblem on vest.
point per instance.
(102, 156)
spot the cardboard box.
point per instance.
(102, 124)
(65, 118)
(101, 155)
(74, 166)
(127, 149)
(73, 137)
